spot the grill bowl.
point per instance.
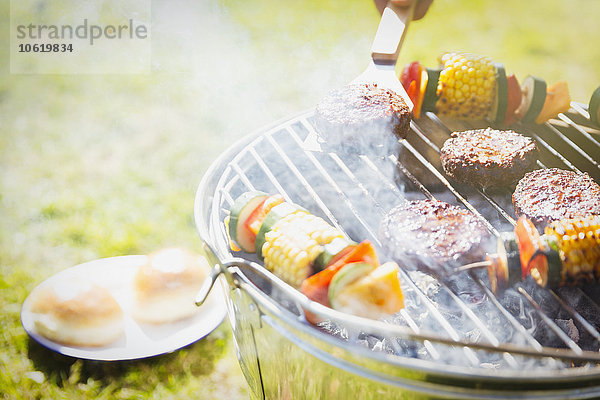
(282, 356)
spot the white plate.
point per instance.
(140, 340)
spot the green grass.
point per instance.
(102, 165)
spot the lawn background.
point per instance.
(96, 166)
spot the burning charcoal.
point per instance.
(514, 303)
(473, 335)
(544, 299)
(489, 365)
(371, 340)
(462, 284)
(333, 329)
(385, 346)
(407, 348)
(583, 302)
(547, 337)
(428, 284)
(569, 328)
(593, 291)
(363, 342)
(456, 318)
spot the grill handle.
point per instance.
(207, 285)
(218, 268)
(391, 32)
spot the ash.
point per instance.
(460, 307)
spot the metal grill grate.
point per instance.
(354, 192)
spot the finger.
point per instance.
(380, 4)
(421, 8)
(402, 3)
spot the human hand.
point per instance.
(420, 8)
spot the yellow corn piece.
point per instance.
(466, 86)
(294, 243)
(579, 248)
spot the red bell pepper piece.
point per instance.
(529, 242)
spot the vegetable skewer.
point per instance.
(311, 255)
(568, 254)
(469, 86)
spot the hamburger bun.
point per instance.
(76, 313)
(166, 286)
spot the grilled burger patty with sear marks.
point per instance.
(363, 114)
(552, 194)
(433, 235)
(488, 157)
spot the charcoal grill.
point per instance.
(455, 338)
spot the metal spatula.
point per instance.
(385, 49)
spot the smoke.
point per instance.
(357, 190)
(237, 77)
(222, 73)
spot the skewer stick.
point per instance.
(475, 265)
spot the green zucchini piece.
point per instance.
(505, 269)
(430, 96)
(551, 278)
(239, 212)
(330, 250)
(513, 259)
(594, 107)
(534, 96)
(501, 101)
(276, 213)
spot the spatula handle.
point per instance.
(391, 32)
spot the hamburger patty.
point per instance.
(433, 235)
(488, 157)
(547, 195)
(362, 115)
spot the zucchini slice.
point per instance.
(430, 97)
(240, 211)
(534, 96)
(515, 270)
(505, 266)
(331, 251)
(257, 216)
(501, 101)
(594, 107)
(549, 274)
(276, 213)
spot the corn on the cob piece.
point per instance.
(578, 243)
(466, 86)
(294, 243)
